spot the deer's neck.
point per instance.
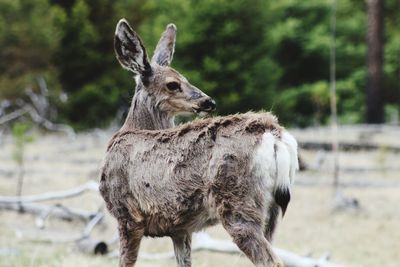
(144, 114)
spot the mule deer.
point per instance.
(236, 169)
(161, 92)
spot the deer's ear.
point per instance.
(129, 49)
(165, 47)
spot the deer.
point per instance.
(158, 179)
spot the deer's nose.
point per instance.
(208, 105)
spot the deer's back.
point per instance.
(171, 179)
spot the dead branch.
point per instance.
(92, 246)
(203, 242)
(37, 109)
(84, 242)
(356, 169)
(344, 146)
(85, 234)
(57, 211)
(13, 115)
(293, 260)
(354, 183)
(35, 116)
(91, 224)
(40, 101)
(90, 186)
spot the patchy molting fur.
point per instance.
(222, 169)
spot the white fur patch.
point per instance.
(264, 160)
(276, 160)
(282, 165)
(291, 144)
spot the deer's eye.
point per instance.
(173, 86)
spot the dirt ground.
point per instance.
(367, 237)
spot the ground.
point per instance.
(366, 237)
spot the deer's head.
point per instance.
(172, 91)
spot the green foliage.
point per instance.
(94, 104)
(20, 133)
(301, 37)
(271, 55)
(78, 55)
(310, 101)
(92, 78)
(230, 60)
(29, 35)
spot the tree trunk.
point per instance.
(375, 61)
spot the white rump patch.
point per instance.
(291, 144)
(276, 160)
(264, 160)
(282, 165)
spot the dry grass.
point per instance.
(368, 237)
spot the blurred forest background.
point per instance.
(57, 65)
(271, 55)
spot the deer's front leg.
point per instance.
(182, 249)
(130, 235)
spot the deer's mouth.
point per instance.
(200, 107)
(200, 111)
(196, 110)
(205, 106)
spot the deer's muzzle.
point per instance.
(208, 105)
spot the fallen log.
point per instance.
(90, 186)
(13, 115)
(357, 169)
(37, 118)
(346, 146)
(353, 183)
(203, 242)
(84, 241)
(57, 211)
(38, 109)
(92, 246)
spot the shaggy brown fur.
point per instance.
(173, 182)
(249, 122)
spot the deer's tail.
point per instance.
(280, 162)
(286, 160)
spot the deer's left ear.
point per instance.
(165, 47)
(129, 49)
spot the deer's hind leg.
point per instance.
(182, 248)
(130, 235)
(271, 221)
(248, 235)
(244, 221)
(241, 211)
